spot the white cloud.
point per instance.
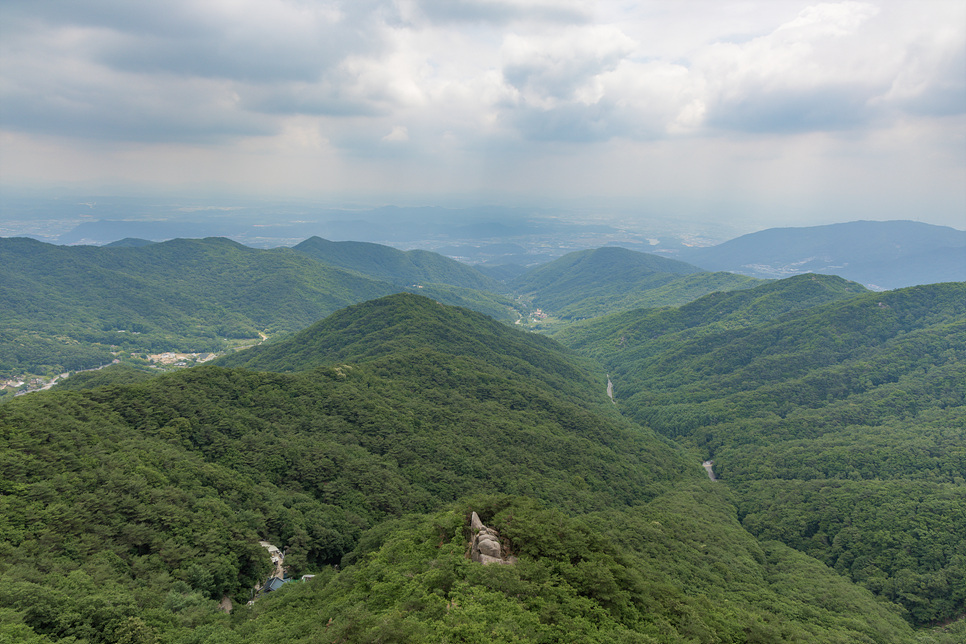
(400, 133)
(493, 84)
(498, 11)
(563, 66)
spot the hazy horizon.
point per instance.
(742, 115)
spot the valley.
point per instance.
(670, 454)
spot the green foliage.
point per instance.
(837, 422)
(640, 333)
(903, 540)
(591, 283)
(409, 268)
(498, 307)
(600, 579)
(165, 486)
(404, 323)
(128, 509)
(64, 308)
(118, 374)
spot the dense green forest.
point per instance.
(130, 509)
(65, 308)
(840, 426)
(591, 283)
(132, 503)
(68, 308)
(396, 266)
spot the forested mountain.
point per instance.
(839, 426)
(68, 307)
(407, 324)
(594, 282)
(395, 266)
(887, 254)
(418, 271)
(611, 335)
(128, 510)
(130, 242)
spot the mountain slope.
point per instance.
(594, 282)
(640, 332)
(608, 577)
(407, 323)
(833, 423)
(63, 303)
(888, 254)
(396, 266)
(128, 510)
(416, 271)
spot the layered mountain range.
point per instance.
(73, 307)
(879, 254)
(331, 475)
(368, 439)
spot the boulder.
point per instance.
(489, 546)
(485, 545)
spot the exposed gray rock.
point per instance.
(488, 545)
(485, 545)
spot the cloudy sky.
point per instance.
(778, 111)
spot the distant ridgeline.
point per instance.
(73, 307)
(66, 308)
(364, 434)
(129, 511)
(880, 254)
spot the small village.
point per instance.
(29, 383)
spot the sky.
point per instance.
(778, 112)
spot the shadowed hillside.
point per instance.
(887, 254)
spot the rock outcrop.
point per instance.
(485, 545)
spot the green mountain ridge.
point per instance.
(591, 283)
(67, 308)
(190, 294)
(862, 397)
(406, 324)
(713, 312)
(127, 511)
(398, 267)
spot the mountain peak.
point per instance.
(403, 268)
(410, 324)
